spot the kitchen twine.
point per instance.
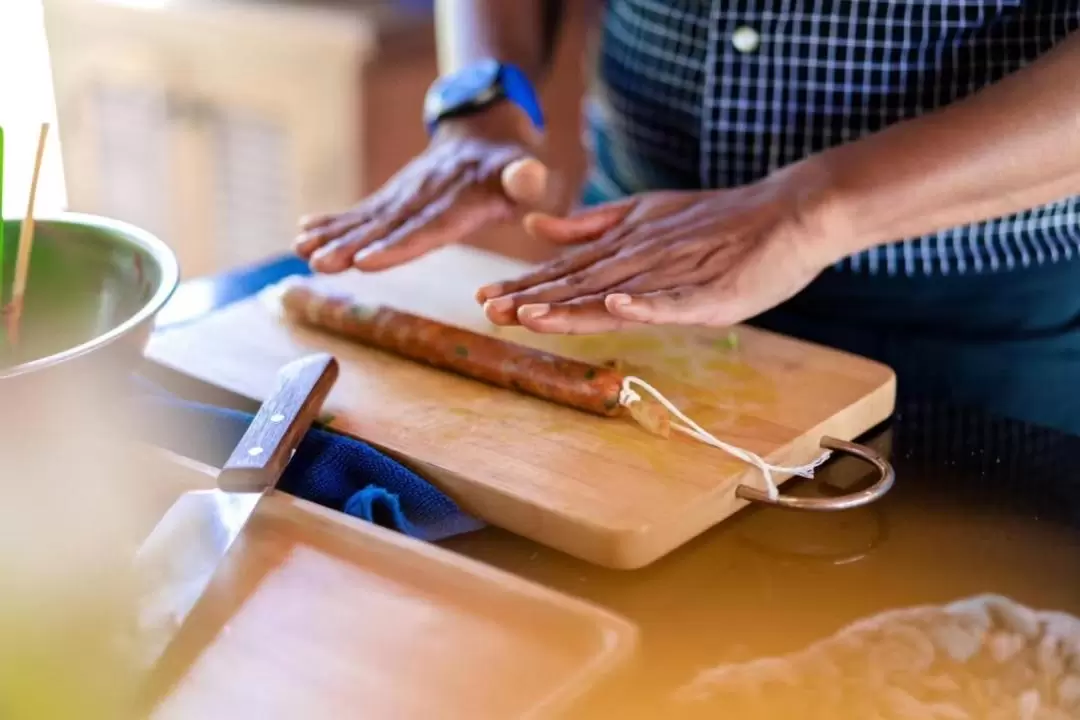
(628, 396)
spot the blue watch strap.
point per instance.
(520, 91)
(478, 85)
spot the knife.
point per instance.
(179, 558)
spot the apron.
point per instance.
(1006, 343)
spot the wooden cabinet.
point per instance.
(212, 125)
(215, 124)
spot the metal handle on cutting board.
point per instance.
(281, 422)
(844, 502)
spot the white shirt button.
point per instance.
(745, 39)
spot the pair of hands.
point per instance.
(709, 258)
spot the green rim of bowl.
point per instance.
(156, 248)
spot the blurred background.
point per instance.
(26, 100)
(215, 124)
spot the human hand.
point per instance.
(711, 258)
(477, 170)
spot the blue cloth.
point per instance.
(330, 469)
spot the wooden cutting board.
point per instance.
(314, 614)
(601, 489)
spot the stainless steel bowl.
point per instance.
(94, 289)
(76, 496)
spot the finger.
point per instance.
(527, 181)
(684, 305)
(337, 255)
(571, 262)
(563, 265)
(413, 195)
(579, 227)
(411, 203)
(408, 186)
(599, 276)
(312, 240)
(582, 316)
(333, 257)
(310, 222)
(460, 212)
(664, 277)
(645, 268)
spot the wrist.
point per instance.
(501, 122)
(818, 211)
(483, 85)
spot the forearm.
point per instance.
(513, 31)
(1012, 146)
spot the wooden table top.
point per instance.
(981, 505)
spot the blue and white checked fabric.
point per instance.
(714, 94)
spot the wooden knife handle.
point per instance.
(288, 412)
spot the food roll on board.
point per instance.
(591, 388)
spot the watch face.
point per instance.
(468, 85)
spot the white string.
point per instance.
(628, 396)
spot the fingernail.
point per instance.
(490, 291)
(533, 311)
(618, 301)
(367, 253)
(499, 304)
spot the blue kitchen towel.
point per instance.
(330, 469)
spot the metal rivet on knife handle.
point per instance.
(281, 422)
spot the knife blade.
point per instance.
(179, 558)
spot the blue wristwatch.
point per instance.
(478, 86)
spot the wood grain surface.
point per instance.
(316, 614)
(601, 489)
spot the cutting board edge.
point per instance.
(643, 547)
(633, 548)
(606, 545)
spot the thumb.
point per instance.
(582, 226)
(528, 182)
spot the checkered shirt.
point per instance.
(715, 94)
